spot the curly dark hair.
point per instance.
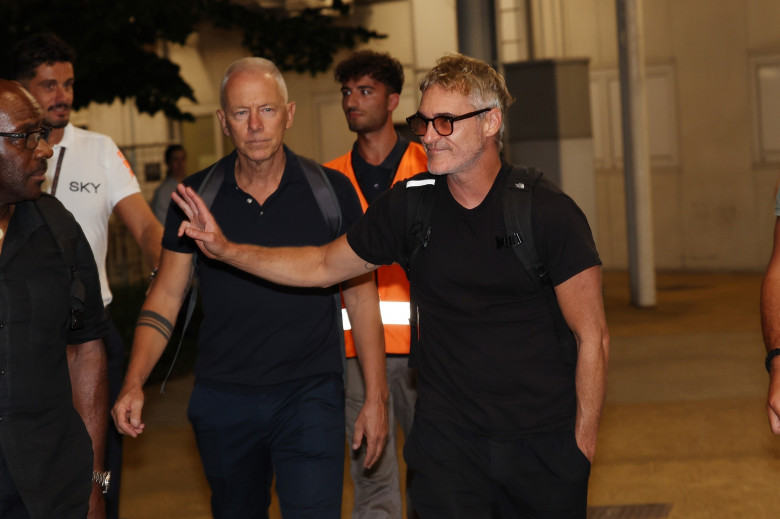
(29, 53)
(379, 66)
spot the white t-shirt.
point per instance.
(94, 176)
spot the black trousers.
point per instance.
(458, 474)
(11, 506)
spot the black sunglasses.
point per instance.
(31, 138)
(443, 124)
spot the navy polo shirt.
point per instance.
(254, 333)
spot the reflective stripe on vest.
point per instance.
(393, 312)
(391, 279)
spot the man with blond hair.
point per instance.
(268, 400)
(508, 407)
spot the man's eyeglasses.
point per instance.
(31, 138)
(443, 124)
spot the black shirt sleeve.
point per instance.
(95, 324)
(378, 237)
(562, 236)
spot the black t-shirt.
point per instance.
(488, 358)
(255, 333)
(42, 438)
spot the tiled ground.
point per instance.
(684, 425)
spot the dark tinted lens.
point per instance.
(442, 125)
(418, 125)
(34, 137)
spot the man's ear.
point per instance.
(392, 101)
(290, 114)
(223, 122)
(492, 122)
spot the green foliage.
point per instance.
(117, 42)
(305, 42)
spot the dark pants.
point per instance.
(115, 352)
(296, 431)
(11, 506)
(459, 474)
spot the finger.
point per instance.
(371, 454)
(774, 420)
(199, 208)
(183, 204)
(182, 227)
(120, 416)
(357, 437)
(134, 416)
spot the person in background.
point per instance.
(268, 400)
(371, 84)
(92, 179)
(508, 404)
(53, 389)
(176, 164)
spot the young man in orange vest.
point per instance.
(370, 88)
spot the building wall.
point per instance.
(713, 204)
(712, 196)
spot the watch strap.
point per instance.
(103, 479)
(769, 356)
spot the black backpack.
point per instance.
(516, 200)
(327, 201)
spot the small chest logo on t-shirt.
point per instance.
(83, 187)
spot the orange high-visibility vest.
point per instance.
(391, 279)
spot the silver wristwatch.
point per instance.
(103, 479)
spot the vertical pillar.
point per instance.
(476, 30)
(636, 156)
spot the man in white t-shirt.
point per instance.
(92, 178)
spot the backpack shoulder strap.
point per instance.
(323, 193)
(212, 181)
(420, 191)
(63, 231)
(330, 208)
(207, 190)
(517, 204)
(417, 224)
(517, 201)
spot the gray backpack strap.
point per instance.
(324, 194)
(331, 212)
(207, 190)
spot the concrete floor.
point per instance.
(684, 427)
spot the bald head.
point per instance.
(14, 100)
(253, 65)
(23, 156)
